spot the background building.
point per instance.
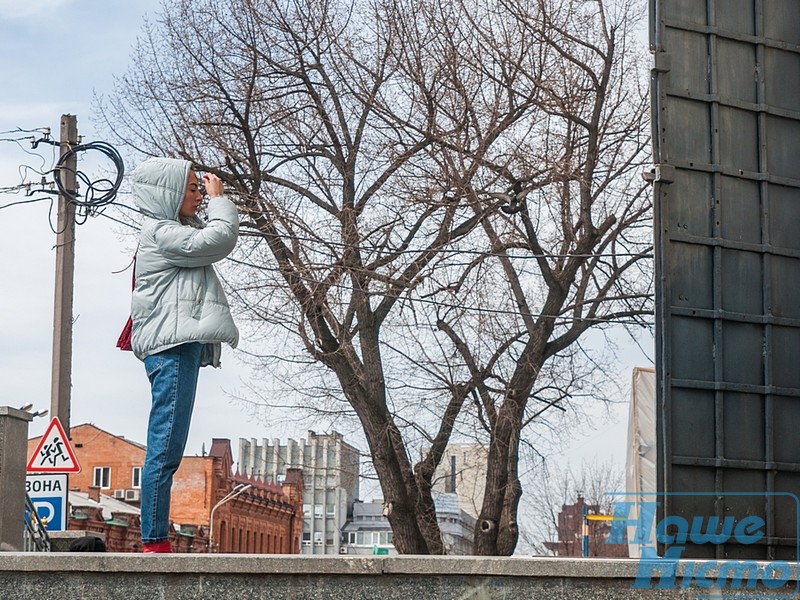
(265, 518)
(462, 471)
(369, 532)
(118, 521)
(331, 481)
(109, 462)
(456, 524)
(573, 528)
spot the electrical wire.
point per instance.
(486, 253)
(119, 221)
(559, 319)
(45, 131)
(20, 130)
(28, 201)
(99, 192)
(13, 189)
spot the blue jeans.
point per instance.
(173, 383)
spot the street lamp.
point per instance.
(242, 487)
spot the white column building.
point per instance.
(331, 478)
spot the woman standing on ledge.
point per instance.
(180, 315)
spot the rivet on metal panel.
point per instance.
(662, 62)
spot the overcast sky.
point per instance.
(57, 53)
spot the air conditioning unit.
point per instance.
(343, 550)
(133, 495)
(119, 494)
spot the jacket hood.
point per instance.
(159, 186)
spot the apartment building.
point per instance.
(369, 531)
(330, 476)
(462, 471)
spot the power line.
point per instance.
(485, 253)
(98, 192)
(43, 130)
(29, 201)
(557, 319)
(13, 189)
(120, 221)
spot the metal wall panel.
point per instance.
(726, 139)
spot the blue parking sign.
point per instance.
(51, 511)
(48, 493)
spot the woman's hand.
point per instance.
(213, 185)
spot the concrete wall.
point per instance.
(229, 577)
(13, 439)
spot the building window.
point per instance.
(136, 477)
(102, 477)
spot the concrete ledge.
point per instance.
(296, 564)
(227, 577)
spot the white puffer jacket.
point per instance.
(177, 296)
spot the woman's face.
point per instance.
(192, 197)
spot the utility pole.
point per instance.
(61, 386)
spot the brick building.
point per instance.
(118, 521)
(264, 518)
(574, 529)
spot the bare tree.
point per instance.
(597, 483)
(439, 199)
(571, 249)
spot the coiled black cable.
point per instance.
(99, 192)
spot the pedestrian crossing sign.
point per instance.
(54, 454)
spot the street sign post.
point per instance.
(47, 479)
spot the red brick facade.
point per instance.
(264, 518)
(573, 526)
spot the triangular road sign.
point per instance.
(54, 454)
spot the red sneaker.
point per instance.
(157, 547)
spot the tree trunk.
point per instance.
(408, 506)
(497, 531)
(496, 503)
(508, 532)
